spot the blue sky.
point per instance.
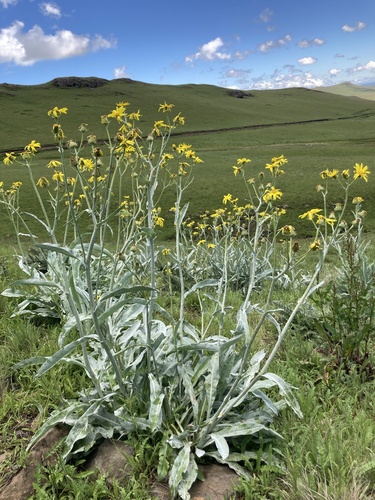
(245, 44)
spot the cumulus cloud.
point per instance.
(209, 51)
(334, 71)
(309, 43)
(283, 81)
(27, 48)
(359, 25)
(370, 66)
(121, 72)
(6, 3)
(274, 44)
(50, 10)
(307, 60)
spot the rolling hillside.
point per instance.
(349, 90)
(23, 109)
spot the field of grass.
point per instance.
(326, 455)
(314, 130)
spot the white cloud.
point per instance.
(209, 51)
(307, 60)
(370, 66)
(309, 43)
(6, 3)
(121, 72)
(265, 15)
(359, 25)
(50, 10)
(334, 71)
(274, 44)
(283, 81)
(27, 48)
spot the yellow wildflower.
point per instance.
(86, 164)
(227, 197)
(329, 174)
(54, 164)
(42, 182)
(329, 220)
(345, 173)
(272, 194)
(118, 113)
(315, 245)
(310, 214)
(32, 147)
(135, 115)
(56, 112)
(201, 242)
(357, 199)
(9, 158)
(166, 107)
(166, 251)
(179, 120)
(361, 171)
(288, 230)
(58, 176)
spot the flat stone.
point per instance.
(112, 459)
(219, 482)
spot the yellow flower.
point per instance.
(9, 158)
(135, 116)
(86, 164)
(316, 245)
(288, 230)
(54, 164)
(357, 199)
(118, 113)
(310, 214)
(159, 221)
(179, 120)
(56, 112)
(277, 162)
(242, 161)
(166, 107)
(58, 176)
(211, 245)
(42, 182)
(361, 171)
(272, 194)
(201, 242)
(32, 147)
(236, 169)
(329, 174)
(345, 173)
(227, 197)
(328, 220)
(166, 251)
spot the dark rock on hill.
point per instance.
(79, 82)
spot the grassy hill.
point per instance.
(23, 109)
(348, 89)
(314, 129)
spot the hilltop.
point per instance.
(351, 90)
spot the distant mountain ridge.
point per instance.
(348, 89)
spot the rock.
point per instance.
(219, 482)
(112, 459)
(21, 485)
